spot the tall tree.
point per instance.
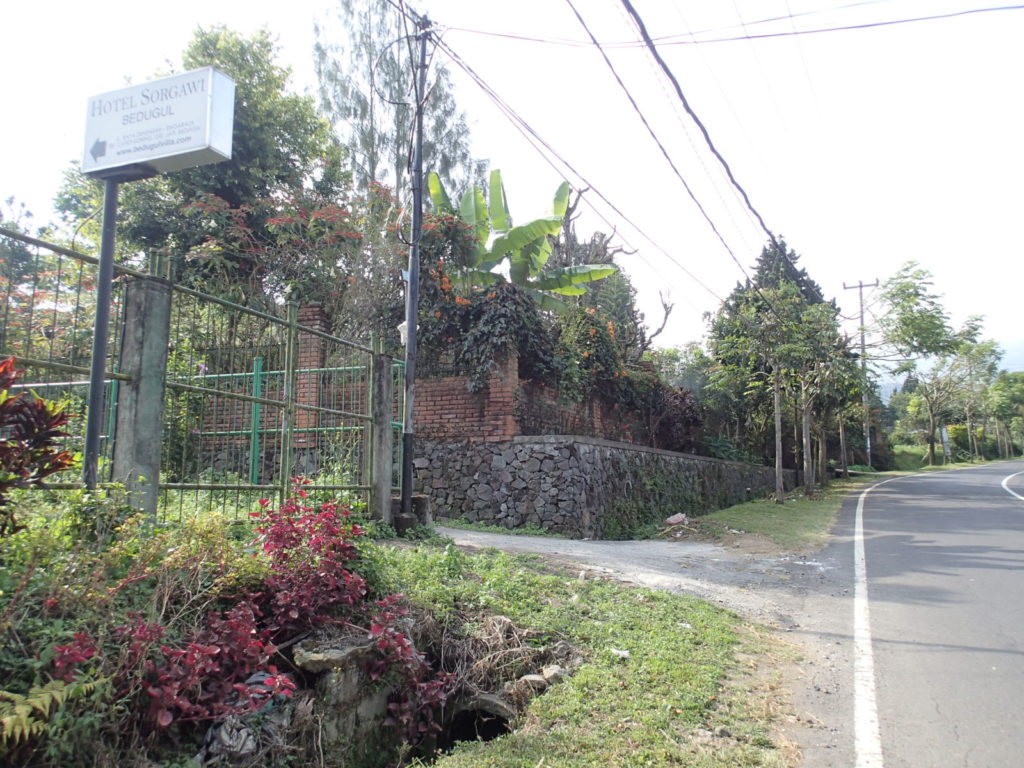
(913, 321)
(778, 331)
(1006, 402)
(979, 363)
(752, 337)
(935, 397)
(366, 76)
(777, 265)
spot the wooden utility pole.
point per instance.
(860, 286)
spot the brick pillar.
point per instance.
(502, 393)
(311, 356)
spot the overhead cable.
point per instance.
(847, 28)
(661, 146)
(693, 40)
(537, 142)
(693, 115)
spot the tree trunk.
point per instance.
(972, 443)
(822, 455)
(931, 438)
(842, 446)
(797, 457)
(780, 488)
(805, 424)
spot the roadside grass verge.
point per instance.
(684, 694)
(913, 458)
(910, 458)
(801, 524)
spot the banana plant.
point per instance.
(526, 247)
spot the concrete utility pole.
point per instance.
(860, 286)
(412, 287)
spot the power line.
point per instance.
(848, 28)
(760, 70)
(639, 43)
(693, 115)
(772, 19)
(536, 141)
(740, 123)
(671, 39)
(687, 131)
(803, 61)
(661, 146)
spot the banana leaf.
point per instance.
(442, 204)
(568, 277)
(501, 219)
(518, 237)
(548, 302)
(561, 204)
(473, 211)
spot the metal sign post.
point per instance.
(164, 125)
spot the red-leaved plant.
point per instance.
(224, 668)
(310, 550)
(420, 691)
(30, 430)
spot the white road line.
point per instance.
(867, 737)
(1006, 485)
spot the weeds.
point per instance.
(132, 648)
(660, 704)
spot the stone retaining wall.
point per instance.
(576, 486)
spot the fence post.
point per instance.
(255, 422)
(381, 435)
(138, 434)
(288, 417)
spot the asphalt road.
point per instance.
(945, 586)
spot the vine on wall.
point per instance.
(466, 330)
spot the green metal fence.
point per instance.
(252, 398)
(46, 323)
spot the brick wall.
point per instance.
(307, 381)
(510, 407)
(445, 409)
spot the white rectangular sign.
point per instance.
(167, 124)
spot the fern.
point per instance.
(26, 716)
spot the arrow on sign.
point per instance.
(99, 149)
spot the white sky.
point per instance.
(865, 148)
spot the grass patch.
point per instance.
(683, 697)
(801, 524)
(910, 458)
(914, 458)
